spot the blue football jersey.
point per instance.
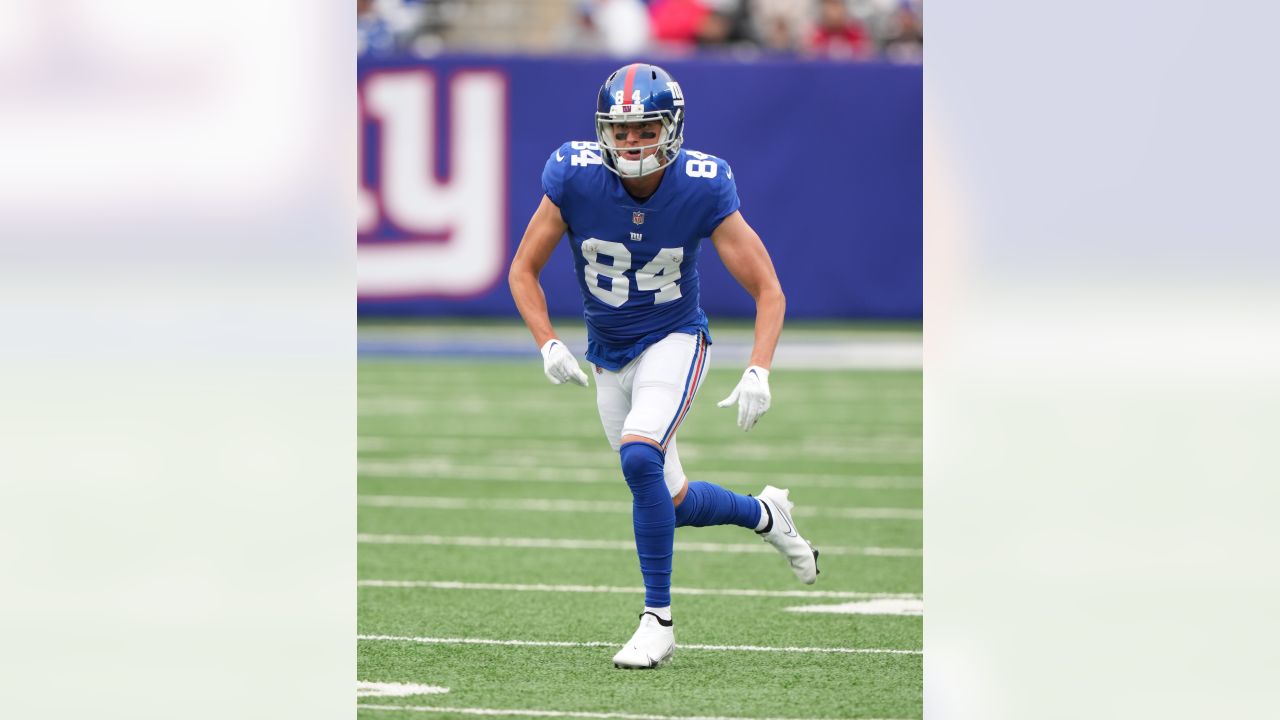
(637, 261)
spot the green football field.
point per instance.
(496, 558)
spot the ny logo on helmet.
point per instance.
(677, 95)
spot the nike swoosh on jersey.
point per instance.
(558, 157)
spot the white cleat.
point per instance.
(652, 646)
(802, 556)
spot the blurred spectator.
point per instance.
(780, 24)
(373, 32)
(838, 35)
(384, 27)
(829, 29)
(727, 24)
(715, 29)
(678, 22)
(403, 16)
(904, 40)
(621, 27)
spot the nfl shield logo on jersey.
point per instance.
(637, 218)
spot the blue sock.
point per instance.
(707, 504)
(653, 517)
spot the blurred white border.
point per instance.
(1101, 361)
(177, 376)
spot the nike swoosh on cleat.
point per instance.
(791, 530)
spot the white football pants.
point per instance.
(651, 395)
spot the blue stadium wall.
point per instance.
(827, 157)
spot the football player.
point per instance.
(636, 206)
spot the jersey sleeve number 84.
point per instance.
(662, 273)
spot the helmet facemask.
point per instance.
(666, 144)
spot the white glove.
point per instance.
(560, 365)
(752, 396)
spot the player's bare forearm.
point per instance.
(746, 258)
(771, 308)
(532, 304)
(545, 229)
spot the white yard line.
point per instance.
(878, 606)
(697, 455)
(601, 643)
(842, 450)
(721, 592)
(518, 712)
(440, 469)
(532, 505)
(433, 502)
(584, 544)
(506, 416)
(381, 689)
(849, 449)
(437, 441)
(869, 513)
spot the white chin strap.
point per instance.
(637, 168)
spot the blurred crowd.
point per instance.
(854, 30)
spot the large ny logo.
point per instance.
(443, 236)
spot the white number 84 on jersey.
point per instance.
(661, 274)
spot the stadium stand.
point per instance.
(852, 30)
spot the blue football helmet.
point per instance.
(640, 93)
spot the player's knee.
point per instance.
(686, 512)
(678, 498)
(642, 464)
